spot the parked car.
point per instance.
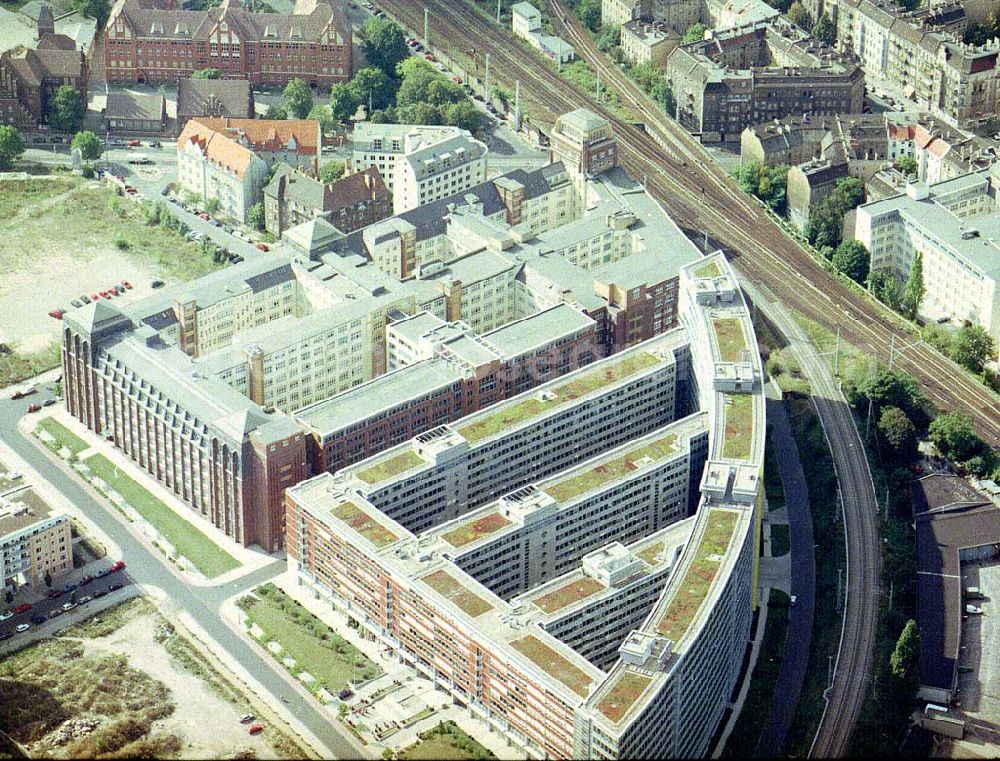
(117, 565)
(69, 587)
(247, 718)
(85, 299)
(6, 635)
(85, 580)
(95, 297)
(344, 694)
(34, 407)
(429, 56)
(24, 607)
(23, 628)
(84, 600)
(68, 605)
(76, 304)
(204, 215)
(263, 247)
(156, 284)
(127, 285)
(255, 729)
(6, 614)
(114, 587)
(54, 593)
(55, 612)
(48, 402)
(134, 143)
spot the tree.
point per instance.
(906, 164)
(892, 388)
(11, 146)
(954, 436)
(442, 91)
(385, 44)
(848, 192)
(212, 205)
(464, 115)
(48, 579)
(852, 259)
(298, 98)
(898, 432)
(412, 65)
(343, 102)
(323, 115)
(695, 33)
(372, 88)
(609, 37)
(884, 287)
(415, 86)
(913, 291)
(96, 9)
(662, 94)
(780, 5)
(904, 663)
(89, 145)
(66, 109)
(590, 14)
(331, 170)
(972, 347)
(206, 74)
(418, 113)
(275, 111)
(798, 15)
(255, 216)
(824, 30)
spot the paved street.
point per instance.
(201, 603)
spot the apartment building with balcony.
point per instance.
(35, 541)
(954, 225)
(588, 596)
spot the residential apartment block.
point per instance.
(919, 56)
(34, 541)
(419, 164)
(148, 41)
(589, 596)
(350, 203)
(954, 225)
(620, 12)
(750, 74)
(648, 42)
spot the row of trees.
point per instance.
(12, 145)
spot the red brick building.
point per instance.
(149, 41)
(30, 77)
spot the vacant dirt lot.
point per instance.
(125, 683)
(64, 237)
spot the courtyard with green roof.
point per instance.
(452, 588)
(708, 269)
(474, 530)
(738, 435)
(612, 469)
(553, 664)
(364, 524)
(693, 588)
(518, 412)
(623, 694)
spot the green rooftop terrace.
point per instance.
(390, 467)
(648, 555)
(553, 664)
(623, 694)
(364, 524)
(445, 584)
(738, 436)
(611, 470)
(709, 269)
(519, 412)
(693, 588)
(730, 337)
(567, 594)
(472, 531)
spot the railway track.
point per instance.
(699, 196)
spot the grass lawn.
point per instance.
(364, 524)
(208, 557)
(472, 531)
(730, 337)
(756, 708)
(623, 694)
(738, 409)
(700, 574)
(512, 414)
(390, 467)
(63, 435)
(316, 648)
(445, 584)
(649, 554)
(99, 220)
(568, 594)
(445, 741)
(613, 469)
(780, 540)
(552, 663)
(16, 367)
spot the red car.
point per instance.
(54, 313)
(134, 143)
(429, 56)
(94, 297)
(24, 607)
(34, 407)
(204, 215)
(263, 247)
(255, 729)
(118, 565)
(127, 284)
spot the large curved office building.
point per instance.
(576, 564)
